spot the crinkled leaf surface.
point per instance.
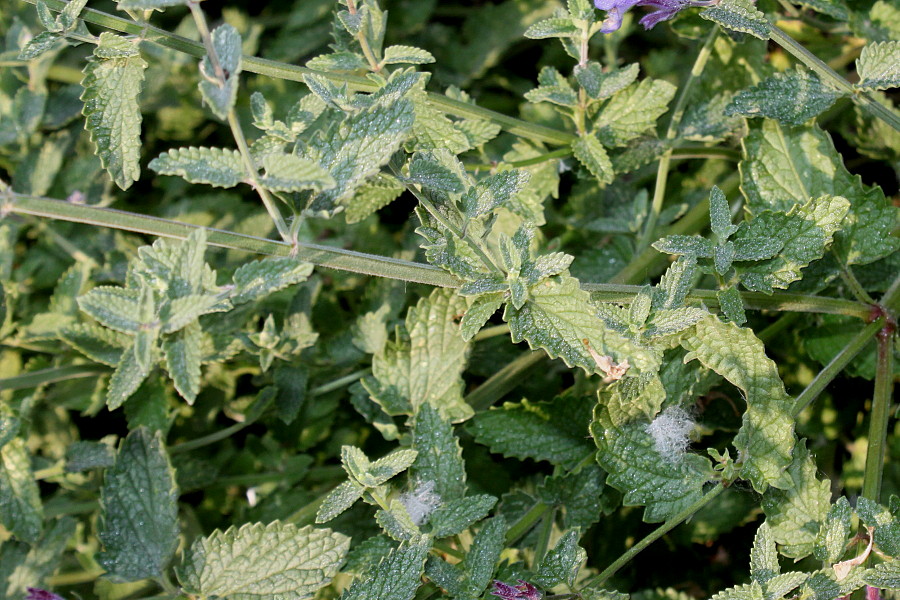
(439, 458)
(634, 111)
(257, 279)
(791, 98)
(138, 509)
(396, 577)
(20, 500)
(739, 15)
(218, 167)
(879, 66)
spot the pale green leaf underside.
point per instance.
(218, 167)
(591, 153)
(766, 437)
(260, 561)
(879, 66)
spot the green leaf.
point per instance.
(183, 355)
(561, 564)
(691, 246)
(577, 495)
(886, 522)
(878, 66)
(111, 110)
(785, 166)
(831, 541)
(376, 193)
(397, 522)
(720, 215)
(114, 307)
(885, 575)
(258, 561)
(180, 312)
(439, 458)
(125, 380)
(795, 513)
(664, 484)
(97, 343)
(256, 280)
(478, 313)
(432, 130)
(395, 578)
(803, 233)
(219, 86)
(633, 111)
(138, 524)
(338, 500)
(483, 556)
(428, 368)
(766, 437)
(553, 88)
(559, 318)
(410, 55)
(290, 173)
(388, 467)
(763, 557)
(218, 167)
(20, 499)
(439, 170)
(738, 15)
(633, 398)
(600, 85)
(39, 44)
(84, 456)
(456, 516)
(732, 305)
(552, 431)
(556, 27)
(147, 4)
(493, 191)
(791, 98)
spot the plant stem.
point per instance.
(489, 332)
(853, 283)
(880, 413)
(526, 522)
(662, 172)
(836, 365)
(288, 72)
(236, 131)
(51, 375)
(655, 535)
(504, 380)
(364, 41)
(827, 74)
(543, 541)
(448, 549)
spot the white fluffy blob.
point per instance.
(670, 431)
(421, 501)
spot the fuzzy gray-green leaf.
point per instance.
(396, 577)
(791, 98)
(219, 86)
(258, 561)
(456, 516)
(183, 355)
(439, 457)
(739, 15)
(879, 66)
(634, 111)
(138, 510)
(20, 500)
(218, 167)
(256, 280)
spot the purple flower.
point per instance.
(39, 594)
(664, 10)
(523, 591)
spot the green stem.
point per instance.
(374, 65)
(503, 381)
(655, 535)
(782, 323)
(307, 514)
(853, 283)
(543, 541)
(880, 414)
(526, 522)
(891, 298)
(288, 72)
(827, 74)
(52, 375)
(489, 332)
(75, 577)
(448, 549)
(836, 365)
(662, 172)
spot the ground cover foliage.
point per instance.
(406, 299)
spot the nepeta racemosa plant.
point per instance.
(481, 345)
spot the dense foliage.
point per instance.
(512, 298)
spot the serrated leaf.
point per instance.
(397, 522)
(218, 167)
(112, 113)
(633, 111)
(138, 524)
(766, 437)
(337, 61)
(600, 85)
(738, 15)
(732, 305)
(219, 86)
(831, 541)
(432, 130)
(885, 575)
(483, 556)
(763, 557)
(493, 191)
(804, 233)
(886, 522)
(20, 499)
(577, 495)
(633, 398)
(183, 355)
(646, 478)
(125, 380)
(439, 457)
(720, 215)
(84, 456)
(39, 44)
(561, 564)
(456, 516)
(553, 88)
(114, 307)
(290, 173)
(786, 166)
(555, 27)
(796, 512)
(552, 431)
(791, 98)
(387, 467)
(428, 368)
(338, 500)
(260, 561)
(691, 246)
(395, 578)
(478, 313)
(256, 280)
(878, 66)
(671, 321)
(97, 343)
(410, 55)
(438, 170)
(559, 317)
(376, 193)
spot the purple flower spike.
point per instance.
(523, 591)
(39, 594)
(664, 10)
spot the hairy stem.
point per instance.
(51, 375)
(526, 522)
(662, 172)
(880, 414)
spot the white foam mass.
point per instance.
(670, 431)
